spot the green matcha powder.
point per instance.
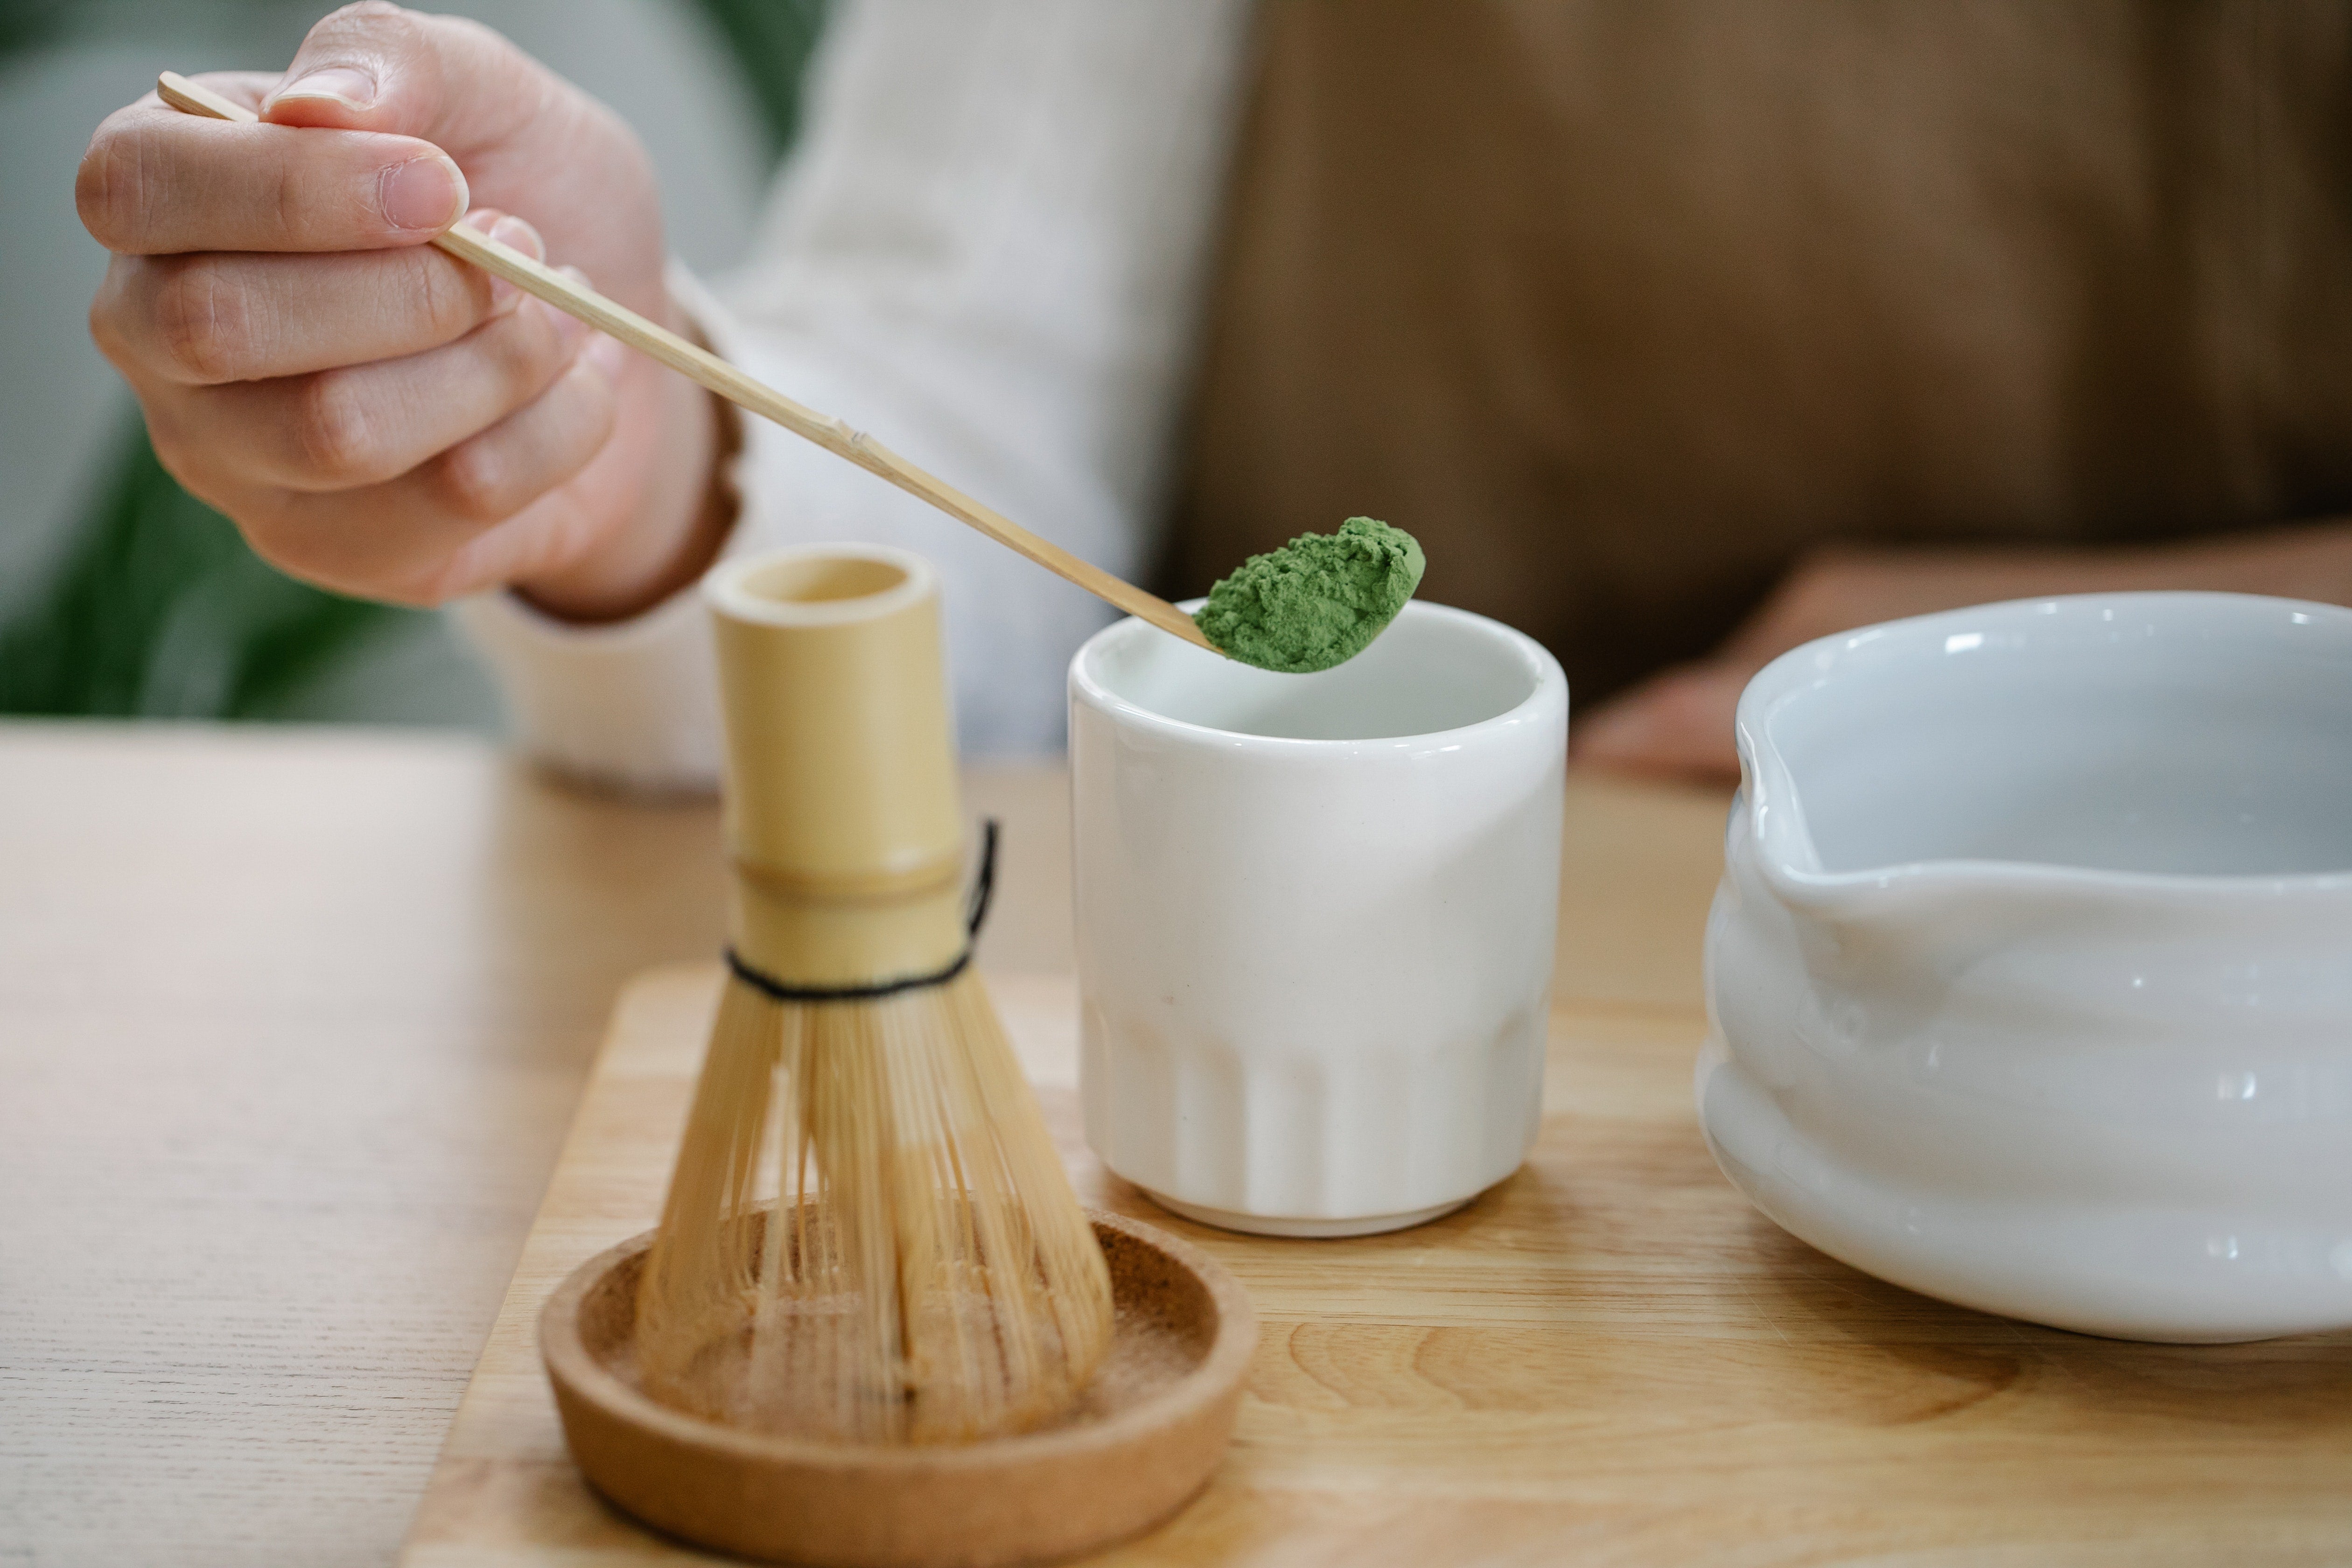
(1317, 600)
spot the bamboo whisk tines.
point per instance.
(897, 1287)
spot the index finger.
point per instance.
(158, 181)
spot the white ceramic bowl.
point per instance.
(2031, 973)
(1315, 920)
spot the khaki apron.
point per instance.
(1622, 304)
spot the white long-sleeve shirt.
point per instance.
(987, 251)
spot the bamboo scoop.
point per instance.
(709, 371)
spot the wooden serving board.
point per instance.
(1610, 1359)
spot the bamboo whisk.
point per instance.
(868, 1235)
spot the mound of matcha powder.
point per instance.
(1317, 600)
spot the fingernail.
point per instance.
(569, 327)
(424, 192)
(604, 355)
(485, 221)
(516, 235)
(513, 231)
(338, 84)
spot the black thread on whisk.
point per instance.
(983, 885)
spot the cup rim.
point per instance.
(1549, 690)
(1772, 807)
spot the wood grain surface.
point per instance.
(291, 1024)
(1608, 1359)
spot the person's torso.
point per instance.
(1620, 304)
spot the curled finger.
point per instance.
(418, 538)
(363, 425)
(215, 317)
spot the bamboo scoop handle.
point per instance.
(708, 370)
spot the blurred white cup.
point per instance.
(1316, 918)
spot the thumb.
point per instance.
(376, 66)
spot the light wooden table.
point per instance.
(291, 1022)
(1608, 1358)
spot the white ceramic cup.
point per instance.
(1315, 920)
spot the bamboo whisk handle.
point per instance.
(709, 371)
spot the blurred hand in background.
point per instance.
(1678, 723)
(376, 417)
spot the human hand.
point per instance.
(377, 416)
(1678, 723)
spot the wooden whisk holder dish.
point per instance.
(1146, 1436)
